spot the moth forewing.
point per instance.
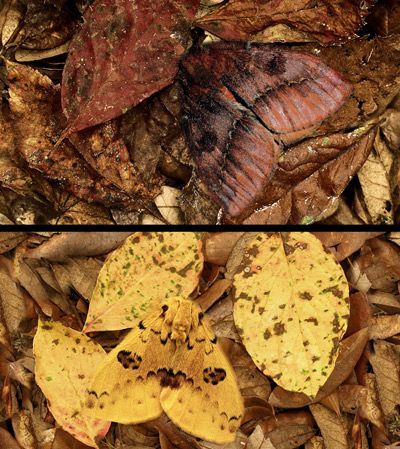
(207, 402)
(172, 362)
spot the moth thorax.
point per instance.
(182, 321)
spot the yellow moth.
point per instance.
(172, 363)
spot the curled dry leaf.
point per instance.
(291, 309)
(101, 77)
(350, 351)
(59, 247)
(65, 360)
(327, 23)
(145, 270)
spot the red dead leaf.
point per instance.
(326, 22)
(240, 103)
(125, 51)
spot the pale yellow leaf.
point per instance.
(65, 361)
(291, 309)
(138, 276)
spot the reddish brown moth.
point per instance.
(241, 103)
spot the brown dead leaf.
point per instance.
(349, 397)
(319, 168)
(327, 23)
(12, 303)
(211, 295)
(375, 180)
(333, 427)
(221, 318)
(218, 246)
(63, 440)
(350, 350)
(316, 442)
(251, 381)
(77, 273)
(385, 362)
(196, 205)
(345, 243)
(380, 261)
(73, 244)
(360, 313)
(9, 240)
(388, 302)
(381, 327)
(369, 402)
(7, 441)
(23, 427)
(257, 440)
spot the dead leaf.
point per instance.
(212, 294)
(34, 102)
(369, 402)
(386, 365)
(156, 37)
(333, 428)
(7, 441)
(331, 162)
(345, 243)
(374, 177)
(168, 205)
(291, 308)
(241, 20)
(381, 327)
(257, 440)
(9, 240)
(315, 442)
(218, 246)
(350, 350)
(66, 359)
(147, 268)
(74, 244)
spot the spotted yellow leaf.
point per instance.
(291, 308)
(65, 361)
(138, 276)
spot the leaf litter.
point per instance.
(358, 403)
(105, 142)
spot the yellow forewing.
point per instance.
(138, 276)
(190, 380)
(291, 309)
(65, 361)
